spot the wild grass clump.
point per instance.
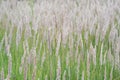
(60, 40)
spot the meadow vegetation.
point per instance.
(60, 40)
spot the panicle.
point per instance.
(58, 69)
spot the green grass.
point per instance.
(71, 51)
(50, 64)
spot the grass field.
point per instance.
(60, 40)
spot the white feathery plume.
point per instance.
(88, 65)
(65, 32)
(8, 49)
(67, 60)
(46, 77)
(37, 41)
(77, 46)
(101, 55)
(93, 52)
(49, 42)
(20, 69)
(28, 32)
(58, 44)
(18, 36)
(113, 34)
(43, 58)
(110, 57)
(1, 43)
(69, 74)
(71, 43)
(25, 69)
(82, 75)
(78, 66)
(117, 51)
(97, 36)
(81, 40)
(104, 62)
(6, 43)
(34, 39)
(9, 66)
(23, 59)
(34, 63)
(111, 73)
(2, 74)
(10, 34)
(105, 74)
(64, 75)
(58, 76)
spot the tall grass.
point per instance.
(60, 40)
